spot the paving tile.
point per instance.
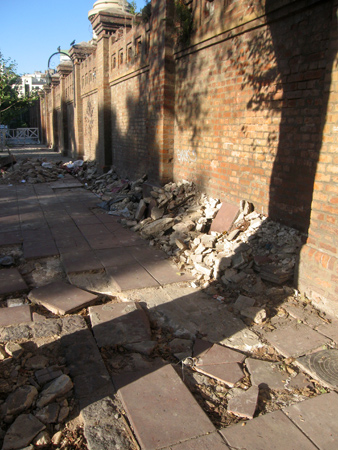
(212, 441)
(15, 315)
(132, 276)
(219, 354)
(64, 245)
(225, 217)
(10, 223)
(108, 240)
(75, 261)
(61, 298)
(11, 282)
(119, 323)
(317, 418)
(39, 249)
(92, 229)
(115, 257)
(10, 238)
(265, 374)
(165, 273)
(296, 339)
(160, 408)
(244, 403)
(271, 431)
(229, 374)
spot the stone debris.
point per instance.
(33, 172)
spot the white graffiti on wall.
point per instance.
(186, 156)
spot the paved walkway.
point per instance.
(98, 255)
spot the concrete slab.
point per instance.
(77, 261)
(11, 282)
(160, 408)
(296, 339)
(119, 323)
(15, 315)
(61, 298)
(131, 276)
(226, 216)
(317, 418)
(265, 374)
(211, 441)
(271, 431)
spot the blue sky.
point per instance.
(32, 30)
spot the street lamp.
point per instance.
(49, 77)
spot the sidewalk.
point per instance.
(61, 222)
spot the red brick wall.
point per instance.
(247, 109)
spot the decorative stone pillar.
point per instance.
(78, 53)
(105, 23)
(64, 69)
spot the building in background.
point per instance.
(31, 82)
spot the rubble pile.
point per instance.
(177, 219)
(31, 172)
(36, 398)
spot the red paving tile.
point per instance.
(211, 441)
(11, 282)
(271, 431)
(76, 261)
(119, 323)
(225, 217)
(229, 374)
(61, 298)
(39, 249)
(161, 409)
(317, 418)
(131, 276)
(15, 315)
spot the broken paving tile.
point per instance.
(61, 298)
(266, 374)
(225, 217)
(133, 276)
(229, 374)
(160, 408)
(317, 418)
(11, 282)
(313, 320)
(119, 323)
(218, 354)
(212, 441)
(296, 339)
(322, 365)
(244, 403)
(15, 315)
(265, 432)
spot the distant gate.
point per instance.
(22, 136)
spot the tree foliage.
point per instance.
(11, 104)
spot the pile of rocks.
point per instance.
(32, 172)
(36, 398)
(178, 219)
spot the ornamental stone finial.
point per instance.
(115, 6)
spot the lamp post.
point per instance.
(49, 77)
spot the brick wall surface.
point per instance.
(246, 108)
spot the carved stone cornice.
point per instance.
(106, 23)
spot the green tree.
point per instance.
(11, 103)
(133, 7)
